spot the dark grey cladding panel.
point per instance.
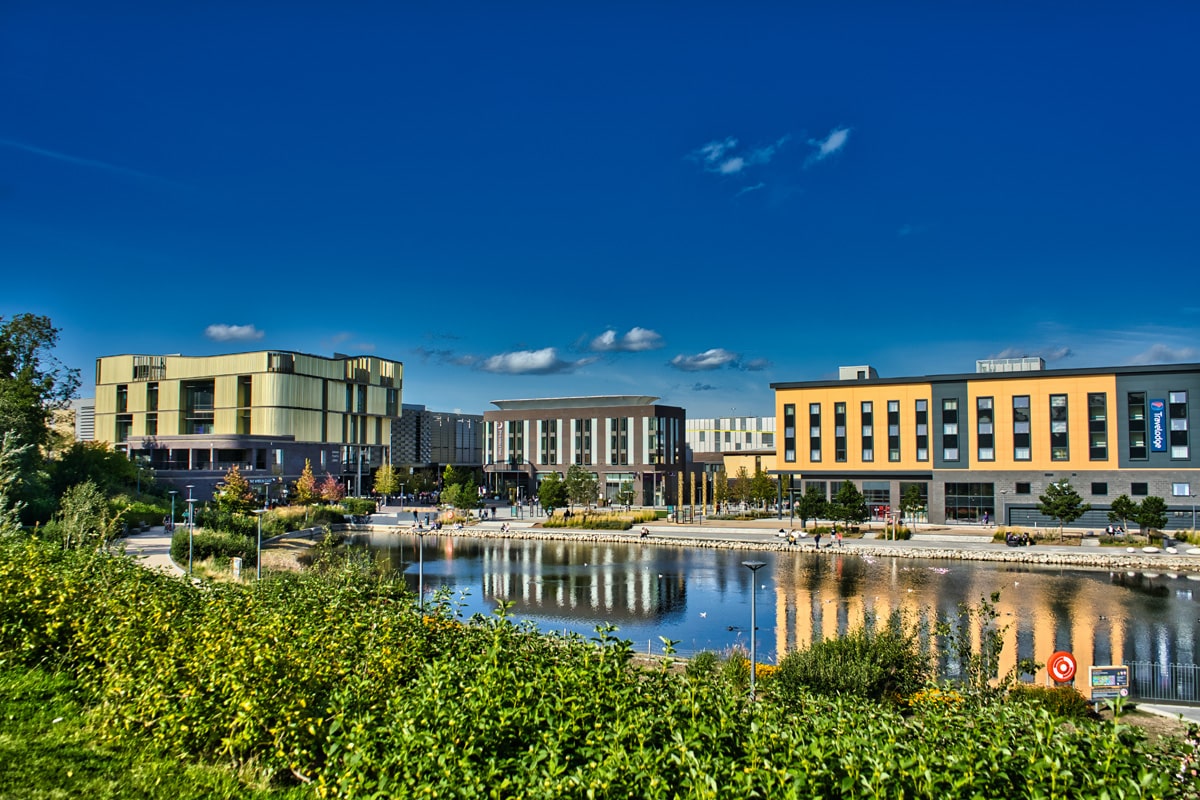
(945, 391)
(1156, 387)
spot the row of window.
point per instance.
(1154, 426)
(661, 441)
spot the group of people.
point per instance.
(1017, 539)
(1114, 530)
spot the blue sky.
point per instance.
(543, 199)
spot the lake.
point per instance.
(701, 597)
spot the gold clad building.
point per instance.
(191, 418)
(989, 442)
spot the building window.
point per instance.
(1177, 419)
(985, 434)
(1022, 488)
(789, 432)
(516, 441)
(1021, 429)
(814, 431)
(1059, 443)
(152, 396)
(839, 431)
(1136, 425)
(922, 430)
(1100, 489)
(122, 399)
(619, 440)
(893, 423)
(549, 441)
(281, 362)
(868, 431)
(1097, 426)
(197, 407)
(950, 429)
(152, 424)
(1139, 489)
(768, 440)
(1181, 490)
(968, 502)
(583, 441)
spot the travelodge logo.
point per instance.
(1158, 426)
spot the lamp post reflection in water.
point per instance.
(754, 567)
(421, 569)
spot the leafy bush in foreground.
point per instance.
(213, 544)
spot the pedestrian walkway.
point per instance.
(152, 548)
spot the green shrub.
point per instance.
(214, 519)
(871, 663)
(142, 513)
(1062, 701)
(590, 521)
(358, 505)
(704, 663)
(326, 515)
(218, 545)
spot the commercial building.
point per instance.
(191, 418)
(990, 442)
(429, 441)
(619, 438)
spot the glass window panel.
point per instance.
(986, 454)
(1022, 454)
(1179, 452)
(1178, 397)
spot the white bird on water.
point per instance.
(703, 614)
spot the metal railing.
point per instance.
(1169, 683)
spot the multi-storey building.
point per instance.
(620, 439)
(990, 442)
(429, 441)
(191, 418)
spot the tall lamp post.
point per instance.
(173, 492)
(421, 568)
(754, 567)
(258, 554)
(191, 501)
(1193, 496)
(402, 495)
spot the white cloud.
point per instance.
(635, 341)
(530, 362)
(233, 333)
(83, 162)
(709, 359)
(1160, 353)
(826, 147)
(713, 152)
(748, 189)
(732, 166)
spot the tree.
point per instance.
(386, 481)
(848, 505)
(762, 488)
(10, 465)
(331, 489)
(720, 488)
(97, 462)
(1152, 515)
(84, 518)
(1123, 510)
(740, 490)
(233, 495)
(552, 493)
(625, 494)
(461, 496)
(306, 492)
(912, 503)
(811, 505)
(1062, 503)
(33, 383)
(582, 487)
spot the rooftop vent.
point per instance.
(1022, 364)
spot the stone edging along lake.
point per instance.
(1024, 555)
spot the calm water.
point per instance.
(701, 597)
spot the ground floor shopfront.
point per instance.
(1010, 498)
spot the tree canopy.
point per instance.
(234, 495)
(1152, 514)
(1063, 504)
(848, 506)
(582, 486)
(386, 480)
(552, 493)
(810, 505)
(307, 491)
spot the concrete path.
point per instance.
(152, 548)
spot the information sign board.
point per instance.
(1109, 682)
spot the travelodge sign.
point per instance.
(1158, 426)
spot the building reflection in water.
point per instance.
(700, 597)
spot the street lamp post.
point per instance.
(402, 495)
(754, 567)
(173, 492)
(258, 554)
(191, 501)
(1193, 496)
(421, 568)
